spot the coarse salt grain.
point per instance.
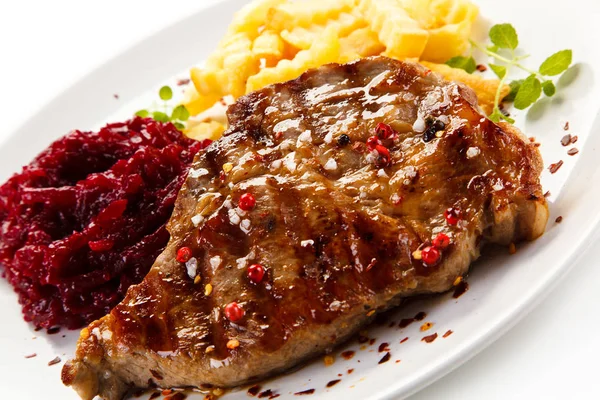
(192, 267)
(304, 137)
(330, 165)
(197, 220)
(234, 218)
(419, 125)
(328, 138)
(215, 262)
(245, 225)
(473, 152)
(382, 174)
(306, 243)
(197, 173)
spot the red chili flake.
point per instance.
(452, 216)
(351, 370)
(385, 131)
(305, 392)
(31, 355)
(255, 273)
(384, 155)
(183, 82)
(441, 241)
(247, 202)
(572, 151)
(574, 139)
(373, 142)
(54, 361)
(278, 135)
(404, 340)
(420, 316)
(205, 143)
(371, 264)
(566, 140)
(333, 383)
(430, 255)
(447, 333)
(547, 194)
(222, 176)
(184, 254)
(254, 390)
(348, 354)
(234, 312)
(430, 338)
(481, 68)
(383, 347)
(532, 139)
(385, 358)
(553, 168)
(566, 126)
(559, 219)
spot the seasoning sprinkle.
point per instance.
(566, 126)
(208, 289)
(247, 202)
(370, 313)
(234, 312)
(457, 281)
(430, 338)
(233, 344)
(426, 326)
(452, 216)
(553, 168)
(31, 355)
(197, 279)
(441, 241)
(328, 360)
(209, 349)
(559, 219)
(55, 361)
(448, 333)
(481, 68)
(430, 255)
(256, 273)
(566, 140)
(227, 167)
(183, 254)
(417, 254)
(572, 151)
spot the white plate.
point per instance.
(502, 288)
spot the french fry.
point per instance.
(323, 51)
(302, 38)
(205, 130)
(362, 42)
(449, 23)
(484, 88)
(306, 13)
(402, 35)
(252, 17)
(269, 46)
(238, 68)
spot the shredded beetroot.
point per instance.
(86, 219)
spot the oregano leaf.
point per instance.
(529, 93)
(557, 63)
(499, 70)
(549, 88)
(465, 63)
(504, 36)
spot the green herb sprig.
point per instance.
(178, 116)
(524, 92)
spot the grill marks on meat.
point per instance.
(335, 242)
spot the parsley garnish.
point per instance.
(178, 116)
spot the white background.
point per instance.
(45, 46)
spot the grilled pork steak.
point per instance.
(342, 224)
